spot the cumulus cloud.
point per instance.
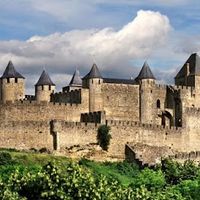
(111, 49)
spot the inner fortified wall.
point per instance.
(121, 101)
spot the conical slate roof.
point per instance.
(10, 72)
(194, 66)
(94, 73)
(145, 72)
(44, 79)
(76, 79)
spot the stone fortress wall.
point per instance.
(138, 111)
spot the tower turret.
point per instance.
(93, 80)
(75, 83)
(44, 88)
(189, 75)
(146, 80)
(12, 84)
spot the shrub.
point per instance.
(176, 172)
(103, 137)
(5, 158)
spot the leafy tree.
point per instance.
(175, 172)
(103, 137)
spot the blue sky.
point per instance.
(53, 33)
(21, 19)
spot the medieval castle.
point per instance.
(146, 119)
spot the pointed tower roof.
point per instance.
(76, 79)
(94, 73)
(194, 66)
(10, 72)
(145, 72)
(44, 79)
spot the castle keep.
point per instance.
(141, 113)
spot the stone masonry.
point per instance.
(139, 111)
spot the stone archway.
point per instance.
(167, 119)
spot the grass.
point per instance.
(122, 171)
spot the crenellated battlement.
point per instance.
(192, 110)
(160, 86)
(44, 103)
(141, 125)
(183, 87)
(93, 117)
(73, 96)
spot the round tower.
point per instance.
(44, 88)
(12, 85)
(94, 81)
(146, 80)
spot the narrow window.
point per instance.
(49, 87)
(16, 80)
(158, 103)
(42, 87)
(8, 80)
(99, 81)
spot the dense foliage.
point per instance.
(103, 137)
(61, 178)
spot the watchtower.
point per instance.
(12, 85)
(93, 80)
(44, 88)
(146, 80)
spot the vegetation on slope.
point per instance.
(42, 176)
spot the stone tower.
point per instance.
(12, 84)
(94, 81)
(146, 80)
(44, 88)
(189, 75)
(75, 83)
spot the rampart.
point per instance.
(94, 117)
(59, 134)
(73, 96)
(31, 110)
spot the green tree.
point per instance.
(176, 172)
(103, 137)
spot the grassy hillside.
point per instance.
(42, 176)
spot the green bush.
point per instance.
(176, 172)
(55, 182)
(151, 179)
(5, 158)
(103, 137)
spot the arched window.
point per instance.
(158, 103)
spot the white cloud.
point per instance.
(61, 53)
